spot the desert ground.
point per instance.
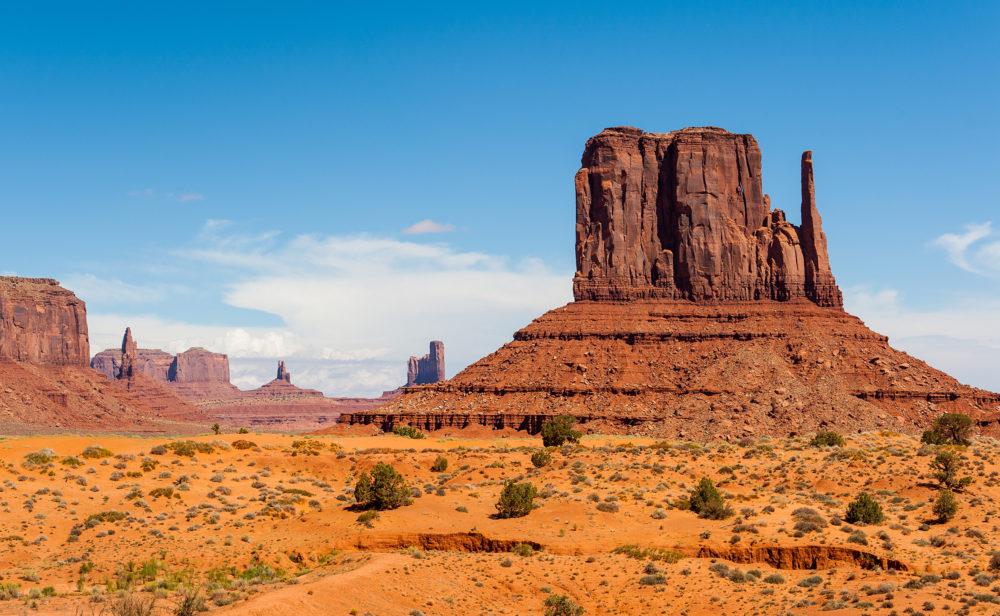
(266, 524)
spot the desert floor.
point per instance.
(269, 529)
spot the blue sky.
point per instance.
(240, 175)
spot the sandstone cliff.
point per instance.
(42, 323)
(683, 215)
(700, 313)
(427, 369)
(45, 384)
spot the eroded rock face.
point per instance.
(130, 351)
(701, 314)
(283, 373)
(197, 365)
(683, 215)
(42, 323)
(427, 369)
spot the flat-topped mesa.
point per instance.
(683, 215)
(426, 369)
(42, 323)
(283, 373)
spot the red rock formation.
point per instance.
(427, 369)
(130, 351)
(283, 374)
(42, 323)
(154, 363)
(700, 314)
(682, 215)
(196, 365)
(45, 384)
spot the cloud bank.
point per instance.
(354, 307)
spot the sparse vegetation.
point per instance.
(541, 458)
(945, 507)
(561, 605)
(708, 502)
(440, 464)
(383, 489)
(828, 438)
(408, 432)
(954, 428)
(559, 430)
(864, 510)
(516, 500)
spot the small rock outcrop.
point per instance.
(130, 352)
(427, 369)
(283, 373)
(42, 323)
(683, 215)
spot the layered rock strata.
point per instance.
(45, 383)
(42, 323)
(426, 369)
(700, 313)
(683, 215)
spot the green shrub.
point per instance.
(188, 448)
(707, 501)
(242, 443)
(946, 465)
(96, 452)
(71, 461)
(655, 554)
(40, 457)
(953, 428)
(440, 464)
(945, 507)
(558, 430)
(408, 432)
(932, 438)
(561, 605)
(368, 518)
(383, 489)
(864, 510)
(541, 458)
(516, 500)
(774, 578)
(811, 581)
(244, 431)
(828, 438)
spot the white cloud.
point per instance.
(91, 288)
(428, 226)
(354, 307)
(963, 338)
(956, 246)
(184, 198)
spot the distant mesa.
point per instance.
(45, 382)
(427, 369)
(202, 379)
(699, 313)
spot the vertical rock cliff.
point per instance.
(427, 369)
(683, 215)
(42, 323)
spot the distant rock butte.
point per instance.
(45, 383)
(700, 313)
(427, 369)
(201, 378)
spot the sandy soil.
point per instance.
(271, 530)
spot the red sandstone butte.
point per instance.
(42, 323)
(700, 313)
(45, 383)
(426, 369)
